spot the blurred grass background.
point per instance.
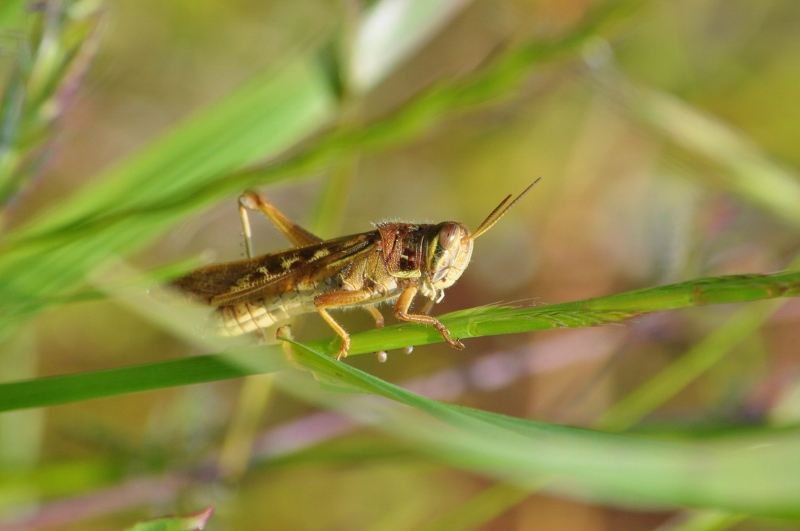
(667, 140)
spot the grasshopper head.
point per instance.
(448, 246)
(446, 253)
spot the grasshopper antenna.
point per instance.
(494, 217)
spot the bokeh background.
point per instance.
(668, 146)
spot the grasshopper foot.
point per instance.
(455, 343)
(343, 349)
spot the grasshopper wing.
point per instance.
(228, 283)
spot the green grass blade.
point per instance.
(746, 170)
(270, 113)
(88, 385)
(411, 120)
(495, 320)
(392, 30)
(481, 509)
(475, 322)
(708, 521)
(197, 163)
(694, 362)
(757, 474)
(48, 68)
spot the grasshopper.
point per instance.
(396, 262)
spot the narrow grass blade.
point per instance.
(392, 30)
(746, 473)
(491, 320)
(264, 117)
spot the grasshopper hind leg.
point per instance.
(341, 332)
(255, 200)
(337, 299)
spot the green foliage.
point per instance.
(474, 322)
(290, 116)
(606, 467)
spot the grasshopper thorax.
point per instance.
(435, 254)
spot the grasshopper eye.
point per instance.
(448, 235)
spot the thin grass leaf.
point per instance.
(754, 470)
(480, 509)
(705, 521)
(752, 474)
(270, 113)
(98, 384)
(476, 322)
(494, 320)
(392, 30)
(745, 169)
(45, 76)
(129, 205)
(408, 122)
(56, 479)
(698, 359)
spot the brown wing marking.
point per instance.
(221, 284)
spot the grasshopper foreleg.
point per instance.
(401, 313)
